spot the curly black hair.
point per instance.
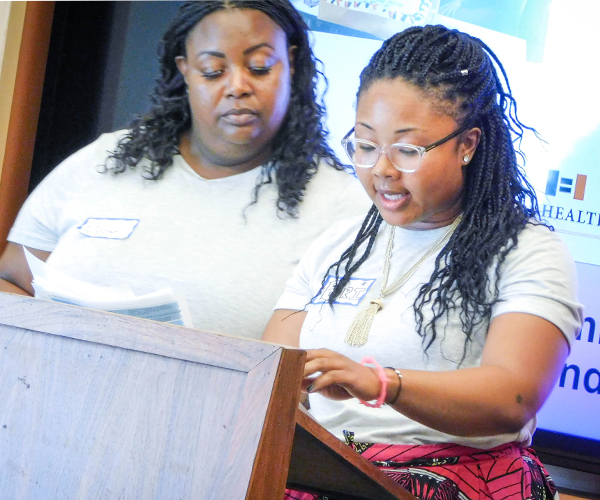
(457, 72)
(299, 144)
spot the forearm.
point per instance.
(481, 401)
(7, 286)
(521, 361)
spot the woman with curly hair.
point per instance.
(437, 326)
(217, 191)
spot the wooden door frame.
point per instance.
(24, 112)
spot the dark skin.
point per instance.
(238, 70)
(15, 276)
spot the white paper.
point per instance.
(163, 305)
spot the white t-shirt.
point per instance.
(200, 237)
(538, 277)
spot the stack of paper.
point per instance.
(162, 305)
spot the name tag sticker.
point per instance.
(351, 295)
(113, 229)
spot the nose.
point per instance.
(238, 85)
(384, 168)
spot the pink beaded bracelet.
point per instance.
(382, 378)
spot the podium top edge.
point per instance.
(46, 317)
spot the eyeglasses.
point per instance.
(405, 157)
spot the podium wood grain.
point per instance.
(97, 406)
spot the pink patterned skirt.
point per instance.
(452, 472)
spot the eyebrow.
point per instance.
(249, 50)
(256, 47)
(399, 131)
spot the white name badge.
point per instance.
(351, 295)
(114, 229)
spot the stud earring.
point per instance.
(466, 158)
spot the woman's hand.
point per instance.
(338, 377)
(15, 276)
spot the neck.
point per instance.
(427, 226)
(210, 166)
(439, 220)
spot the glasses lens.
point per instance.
(405, 157)
(362, 153)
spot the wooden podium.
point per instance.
(95, 405)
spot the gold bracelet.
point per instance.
(397, 372)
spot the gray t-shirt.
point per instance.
(200, 237)
(538, 277)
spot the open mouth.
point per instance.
(393, 201)
(393, 197)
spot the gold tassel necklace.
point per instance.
(358, 333)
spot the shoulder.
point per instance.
(539, 277)
(343, 179)
(336, 193)
(540, 250)
(344, 228)
(536, 230)
(83, 170)
(101, 148)
(334, 240)
(323, 252)
(539, 241)
(104, 145)
(91, 158)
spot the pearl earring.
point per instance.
(466, 158)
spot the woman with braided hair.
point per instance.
(437, 326)
(217, 191)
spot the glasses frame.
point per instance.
(421, 149)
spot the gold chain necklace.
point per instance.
(358, 333)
